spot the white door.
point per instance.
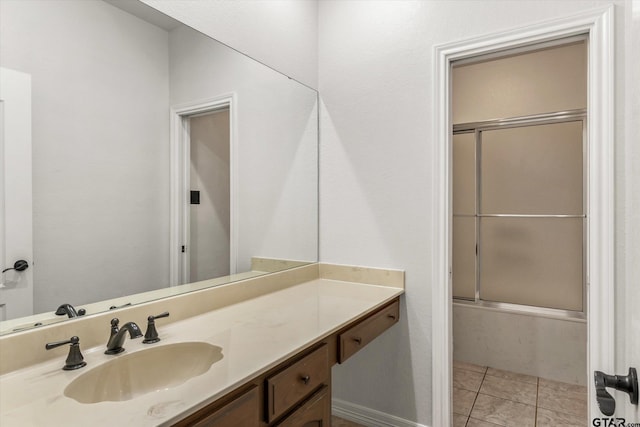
(16, 235)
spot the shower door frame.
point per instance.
(598, 26)
(477, 128)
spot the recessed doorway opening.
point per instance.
(208, 245)
(518, 225)
(597, 27)
(204, 227)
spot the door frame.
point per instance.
(180, 180)
(598, 25)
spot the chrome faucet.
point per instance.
(116, 339)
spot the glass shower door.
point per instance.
(518, 226)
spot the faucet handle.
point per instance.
(114, 326)
(151, 336)
(161, 315)
(74, 359)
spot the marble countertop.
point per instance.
(255, 335)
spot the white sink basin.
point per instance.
(131, 375)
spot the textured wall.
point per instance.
(538, 82)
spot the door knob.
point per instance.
(628, 384)
(19, 265)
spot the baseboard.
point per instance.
(367, 416)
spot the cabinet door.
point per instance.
(296, 382)
(316, 412)
(243, 411)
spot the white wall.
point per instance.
(276, 144)
(376, 83)
(280, 33)
(543, 81)
(100, 147)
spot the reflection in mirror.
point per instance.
(157, 160)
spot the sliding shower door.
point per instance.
(519, 215)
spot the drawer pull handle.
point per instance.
(305, 379)
(358, 340)
(392, 316)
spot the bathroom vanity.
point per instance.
(276, 339)
(297, 391)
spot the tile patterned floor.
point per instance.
(488, 397)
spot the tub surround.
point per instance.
(528, 344)
(259, 323)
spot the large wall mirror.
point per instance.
(142, 159)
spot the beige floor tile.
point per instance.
(463, 401)
(512, 376)
(339, 422)
(562, 401)
(517, 391)
(479, 423)
(467, 380)
(547, 418)
(557, 385)
(469, 366)
(503, 412)
(459, 420)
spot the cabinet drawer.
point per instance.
(294, 383)
(316, 412)
(356, 337)
(243, 411)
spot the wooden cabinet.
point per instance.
(296, 382)
(296, 393)
(241, 411)
(362, 333)
(315, 412)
